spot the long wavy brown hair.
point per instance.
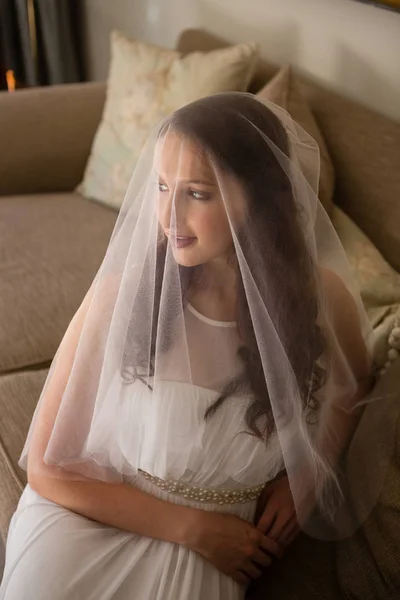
(227, 126)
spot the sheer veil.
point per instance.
(292, 360)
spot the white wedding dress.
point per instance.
(55, 554)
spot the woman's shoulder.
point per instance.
(348, 324)
(340, 301)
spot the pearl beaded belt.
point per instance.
(200, 494)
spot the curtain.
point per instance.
(41, 41)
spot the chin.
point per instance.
(185, 259)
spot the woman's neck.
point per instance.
(214, 292)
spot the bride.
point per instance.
(213, 374)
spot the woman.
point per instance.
(221, 350)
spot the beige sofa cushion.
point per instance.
(19, 394)
(46, 135)
(145, 84)
(51, 247)
(365, 149)
(284, 90)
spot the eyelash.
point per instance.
(203, 195)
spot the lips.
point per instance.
(180, 241)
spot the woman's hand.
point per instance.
(233, 545)
(278, 519)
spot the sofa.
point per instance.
(52, 241)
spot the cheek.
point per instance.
(212, 227)
(160, 214)
(163, 211)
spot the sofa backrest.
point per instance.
(45, 136)
(364, 146)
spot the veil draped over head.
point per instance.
(221, 214)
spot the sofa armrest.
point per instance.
(46, 135)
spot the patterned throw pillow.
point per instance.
(379, 285)
(145, 84)
(284, 90)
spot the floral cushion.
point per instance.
(145, 84)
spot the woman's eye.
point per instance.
(162, 187)
(199, 195)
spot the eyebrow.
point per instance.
(201, 181)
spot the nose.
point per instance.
(172, 210)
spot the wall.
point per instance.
(348, 46)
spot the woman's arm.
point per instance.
(122, 506)
(232, 545)
(342, 414)
(277, 513)
(118, 505)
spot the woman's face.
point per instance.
(191, 209)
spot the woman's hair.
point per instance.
(229, 128)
